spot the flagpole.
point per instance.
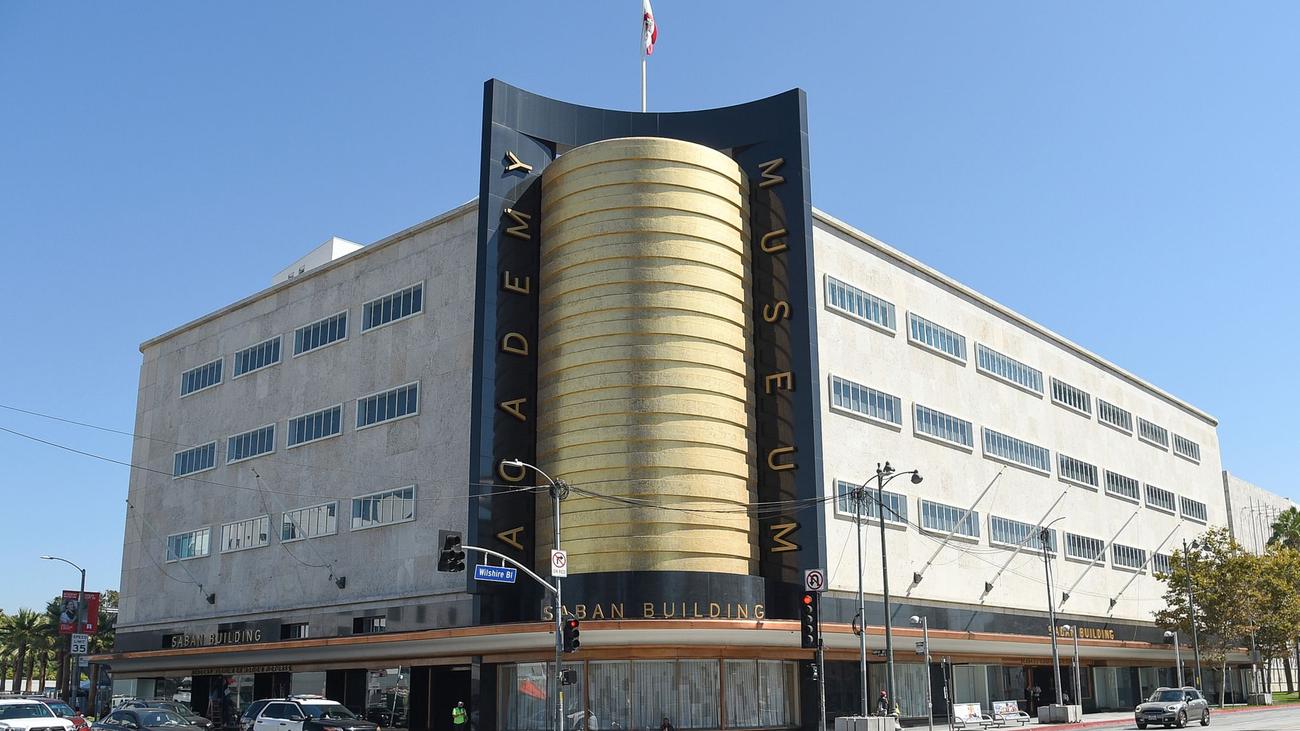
(643, 79)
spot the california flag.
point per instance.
(649, 31)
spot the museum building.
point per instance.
(646, 306)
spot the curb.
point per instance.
(1213, 712)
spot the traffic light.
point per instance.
(810, 634)
(571, 631)
(451, 557)
(813, 672)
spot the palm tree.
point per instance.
(1286, 529)
(20, 632)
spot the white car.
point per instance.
(18, 714)
(303, 713)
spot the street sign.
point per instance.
(920, 648)
(814, 580)
(83, 661)
(559, 563)
(80, 644)
(499, 574)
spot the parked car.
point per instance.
(179, 709)
(1173, 707)
(62, 710)
(21, 714)
(303, 713)
(143, 719)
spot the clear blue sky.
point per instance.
(1124, 173)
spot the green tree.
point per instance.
(1221, 576)
(18, 633)
(1277, 602)
(1286, 529)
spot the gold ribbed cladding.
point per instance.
(642, 363)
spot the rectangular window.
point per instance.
(295, 631)
(1122, 486)
(388, 405)
(201, 377)
(1085, 548)
(1108, 413)
(859, 305)
(392, 307)
(1017, 451)
(369, 625)
(1161, 499)
(1153, 434)
(1076, 471)
(383, 508)
(943, 427)
(191, 544)
(1127, 556)
(250, 444)
(254, 357)
(194, 459)
(316, 425)
(1193, 510)
(1075, 399)
(757, 694)
(936, 337)
(318, 334)
(243, 534)
(868, 402)
(846, 504)
(1006, 368)
(1162, 563)
(1186, 448)
(1013, 533)
(309, 522)
(946, 519)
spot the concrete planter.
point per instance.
(869, 723)
(1060, 714)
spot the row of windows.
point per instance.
(865, 306)
(1071, 397)
(378, 312)
(869, 402)
(948, 519)
(1008, 369)
(387, 507)
(371, 410)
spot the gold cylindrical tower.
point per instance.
(642, 359)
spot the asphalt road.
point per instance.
(1271, 720)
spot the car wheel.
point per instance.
(1142, 724)
(1182, 719)
(1205, 719)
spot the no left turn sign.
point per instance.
(814, 580)
(559, 564)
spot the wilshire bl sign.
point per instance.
(522, 134)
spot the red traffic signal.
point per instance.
(810, 631)
(571, 631)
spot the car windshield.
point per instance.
(1166, 696)
(327, 710)
(160, 718)
(176, 708)
(25, 710)
(60, 708)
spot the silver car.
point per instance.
(1173, 707)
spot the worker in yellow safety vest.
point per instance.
(459, 716)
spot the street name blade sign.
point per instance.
(80, 644)
(559, 564)
(499, 574)
(814, 580)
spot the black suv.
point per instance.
(1173, 707)
(179, 709)
(302, 713)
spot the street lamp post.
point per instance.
(883, 476)
(1078, 686)
(1178, 656)
(74, 668)
(1043, 536)
(925, 640)
(1191, 610)
(559, 489)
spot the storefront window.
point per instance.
(611, 694)
(760, 693)
(387, 692)
(312, 683)
(522, 697)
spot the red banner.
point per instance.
(68, 613)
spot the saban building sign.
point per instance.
(765, 142)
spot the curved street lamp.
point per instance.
(70, 696)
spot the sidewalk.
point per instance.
(1100, 720)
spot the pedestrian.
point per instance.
(665, 725)
(459, 716)
(882, 705)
